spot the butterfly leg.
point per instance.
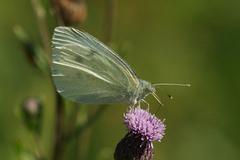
(142, 100)
(130, 105)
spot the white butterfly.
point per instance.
(85, 70)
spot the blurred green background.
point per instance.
(196, 42)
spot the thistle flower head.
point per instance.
(144, 128)
(144, 124)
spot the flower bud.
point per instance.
(73, 11)
(32, 113)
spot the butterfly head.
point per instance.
(145, 89)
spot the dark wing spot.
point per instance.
(78, 59)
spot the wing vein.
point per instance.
(84, 70)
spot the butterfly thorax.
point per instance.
(145, 88)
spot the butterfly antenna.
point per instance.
(171, 84)
(157, 98)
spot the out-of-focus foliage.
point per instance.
(194, 42)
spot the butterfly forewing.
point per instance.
(86, 71)
(67, 35)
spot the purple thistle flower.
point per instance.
(143, 128)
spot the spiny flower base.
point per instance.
(131, 147)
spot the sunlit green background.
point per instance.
(196, 42)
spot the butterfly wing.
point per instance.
(85, 70)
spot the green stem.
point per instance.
(60, 112)
(110, 16)
(60, 117)
(83, 127)
(57, 13)
(42, 26)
